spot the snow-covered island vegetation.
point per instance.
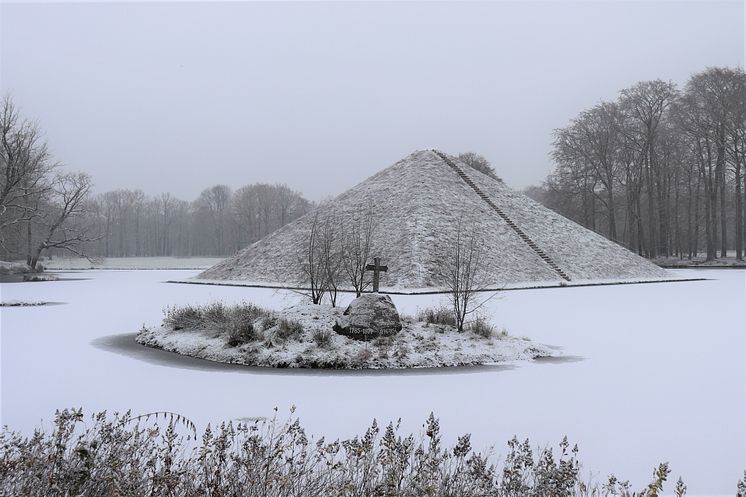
(302, 336)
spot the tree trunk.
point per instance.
(652, 239)
(696, 215)
(720, 175)
(739, 215)
(612, 215)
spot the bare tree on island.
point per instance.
(463, 272)
(357, 247)
(313, 266)
(331, 256)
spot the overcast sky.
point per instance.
(179, 96)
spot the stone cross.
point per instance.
(376, 268)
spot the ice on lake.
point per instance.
(657, 372)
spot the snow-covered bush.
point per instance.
(362, 356)
(302, 336)
(269, 321)
(742, 486)
(240, 332)
(322, 338)
(236, 322)
(162, 454)
(214, 313)
(441, 315)
(482, 327)
(187, 317)
(289, 329)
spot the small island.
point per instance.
(368, 334)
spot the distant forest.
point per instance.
(219, 222)
(660, 169)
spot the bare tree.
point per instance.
(25, 166)
(63, 224)
(215, 202)
(331, 254)
(594, 139)
(358, 245)
(313, 268)
(646, 104)
(464, 272)
(478, 162)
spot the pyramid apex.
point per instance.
(423, 154)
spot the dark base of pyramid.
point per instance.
(528, 286)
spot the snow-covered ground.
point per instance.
(653, 372)
(417, 345)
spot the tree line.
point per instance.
(219, 222)
(660, 169)
(45, 210)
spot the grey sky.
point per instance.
(179, 96)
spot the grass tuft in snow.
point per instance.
(482, 327)
(289, 329)
(187, 317)
(440, 315)
(322, 338)
(236, 322)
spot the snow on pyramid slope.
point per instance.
(418, 203)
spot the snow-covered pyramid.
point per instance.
(418, 203)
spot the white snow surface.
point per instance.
(418, 203)
(417, 345)
(660, 375)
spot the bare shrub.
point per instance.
(269, 321)
(364, 355)
(187, 317)
(215, 314)
(358, 244)
(322, 338)
(480, 326)
(464, 272)
(312, 264)
(240, 332)
(156, 454)
(289, 329)
(439, 315)
(235, 322)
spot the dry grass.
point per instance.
(240, 323)
(160, 454)
(440, 315)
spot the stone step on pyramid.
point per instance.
(418, 203)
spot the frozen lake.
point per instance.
(659, 371)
